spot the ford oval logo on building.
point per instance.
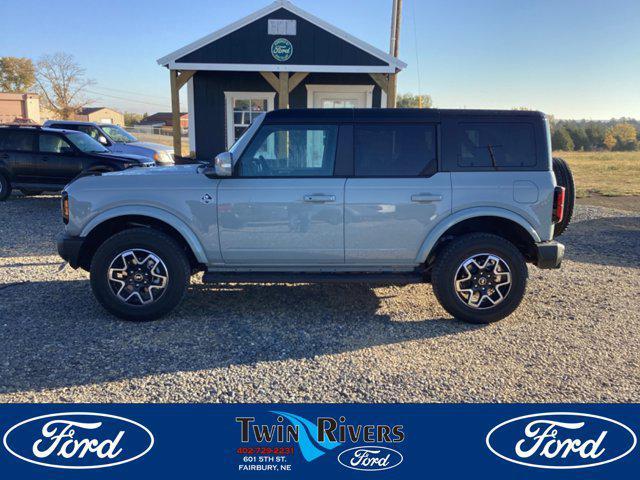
(561, 440)
(78, 440)
(370, 458)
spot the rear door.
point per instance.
(397, 194)
(17, 152)
(284, 206)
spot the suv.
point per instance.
(35, 159)
(117, 140)
(461, 199)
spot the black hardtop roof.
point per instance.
(389, 114)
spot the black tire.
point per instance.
(5, 187)
(451, 258)
(31, 193)
(564, 178)
(165, 248)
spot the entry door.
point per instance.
(397, 195)
(283, 205)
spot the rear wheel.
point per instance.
(140, 274)
(564, 178)
(479, 278)
(5, 187)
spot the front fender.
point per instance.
(152, 212)
(460, 216)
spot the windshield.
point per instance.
(118, 134)
(85, 143)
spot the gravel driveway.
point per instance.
(575, 338)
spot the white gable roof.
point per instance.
(170, 60)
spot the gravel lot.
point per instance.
(575, 338)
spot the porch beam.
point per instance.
(271, 79)
(381, 80)
(184, 77)
(296, 79)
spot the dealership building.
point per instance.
(277, 57)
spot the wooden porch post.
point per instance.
(283, 90)
(175, 113)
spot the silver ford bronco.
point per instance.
(462, 199)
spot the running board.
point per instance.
(395, 278)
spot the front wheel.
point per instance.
(479, 278)
(140, 274)
(5, 187)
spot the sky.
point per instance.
(568, 58)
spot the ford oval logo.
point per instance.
(370, 458)
(561, 440)
(78, 440)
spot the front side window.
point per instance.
(496, 145)
(291, 151)
(118, 134)
(90, 130)
(395, 150)
(49, 143)
(85, 143)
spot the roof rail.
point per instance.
(21, 125)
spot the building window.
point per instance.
(282, 27)
(242, 109)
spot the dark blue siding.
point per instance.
(312, 45)
(209, 100)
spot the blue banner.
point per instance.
(319, 441)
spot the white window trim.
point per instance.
(366, 89)
(192, 114)
(229, 99)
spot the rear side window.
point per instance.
(395, 150)
(18, 141)
(497, 145)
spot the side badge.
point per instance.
(206, 199)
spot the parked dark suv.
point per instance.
(36, 160)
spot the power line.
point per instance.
(128, 99)
(130, 92)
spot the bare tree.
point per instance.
(62, 82)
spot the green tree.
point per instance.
(561, 140)
(625, 136)
(409, 100)
(595, 133)
(131, 118)
(578, 137)
(16, 74)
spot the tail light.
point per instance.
(65, 207)
(558, 204)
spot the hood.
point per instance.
(125, 157)
(152, 146)
(190, 169)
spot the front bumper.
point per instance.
(549, 254)
(70, 248)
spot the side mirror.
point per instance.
(103, 140)
(224, 164)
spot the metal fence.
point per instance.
(151, 130)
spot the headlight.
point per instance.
(64, 204)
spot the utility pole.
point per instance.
(394, 50)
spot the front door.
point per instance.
(397, 195)
(58, 162)
(283, 205)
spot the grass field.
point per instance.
(604, 173)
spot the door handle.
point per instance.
(318, 198)
(425, 198)
(4, 156)
(44, 159)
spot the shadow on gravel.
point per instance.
(55, 335)
(605, 241)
